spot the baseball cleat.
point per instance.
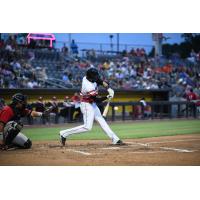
(62, 140)
(119, 142)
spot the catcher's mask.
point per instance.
(19, 98)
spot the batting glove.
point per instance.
(110, 93)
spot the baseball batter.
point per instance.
(10, 125)
(89, 108)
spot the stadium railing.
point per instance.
(155, 110)
(123, 111)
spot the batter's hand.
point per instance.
(110, 93)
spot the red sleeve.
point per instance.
(6, 114)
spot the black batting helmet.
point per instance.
(92, 75)
(19, 98)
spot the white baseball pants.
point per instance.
(91, 112)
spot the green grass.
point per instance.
(123, 130)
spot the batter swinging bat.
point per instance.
(105, 112)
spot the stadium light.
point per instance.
(111, 44)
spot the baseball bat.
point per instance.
(105, 112)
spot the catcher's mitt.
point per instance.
(47, 112)
(14, 126)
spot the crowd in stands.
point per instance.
(136, 71)
(16, 70)
(130, 70)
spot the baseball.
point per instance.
(116, 108)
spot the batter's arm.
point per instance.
(99, 99)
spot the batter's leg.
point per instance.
(105, 127)
(88, 117)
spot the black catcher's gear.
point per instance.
(19, 98)
(27, 144)
(11, 130)
(92, 75)
(47, 112)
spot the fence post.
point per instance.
(161, 110)
(187, 110)
(195, 110)
(152, 111)
(142, 111)
(133, 114)
(123, 112)
(113, 113)
(170, 110)
(178, 111)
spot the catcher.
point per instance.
(10, 125)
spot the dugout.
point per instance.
(120, 95)
(128, 100)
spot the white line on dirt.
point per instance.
(146, 152)
(138, 143)
(112, 148)
(81, 152)
(173, 141)
(178, 150)
(166, 148)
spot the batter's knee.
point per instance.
(88, 128)
(27, 144)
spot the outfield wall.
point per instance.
(120, 95)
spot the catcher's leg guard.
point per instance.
(10, 132)
(22, 141)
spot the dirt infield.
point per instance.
(168, 150)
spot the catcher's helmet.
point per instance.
(92, 75)
(19, 98)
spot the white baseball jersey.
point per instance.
(90, 113)
(88, 90)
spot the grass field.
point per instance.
(124, 130)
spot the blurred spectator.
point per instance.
(64, 50)
(65, 78)
(76, 100)
(67, 111)
(32, 84)
(41, 73)
(145, 109)
(40, 107)
(91, 55)
(55, 111)
(1, 44)
(74, 48)
(191, 96)
(31, 56)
